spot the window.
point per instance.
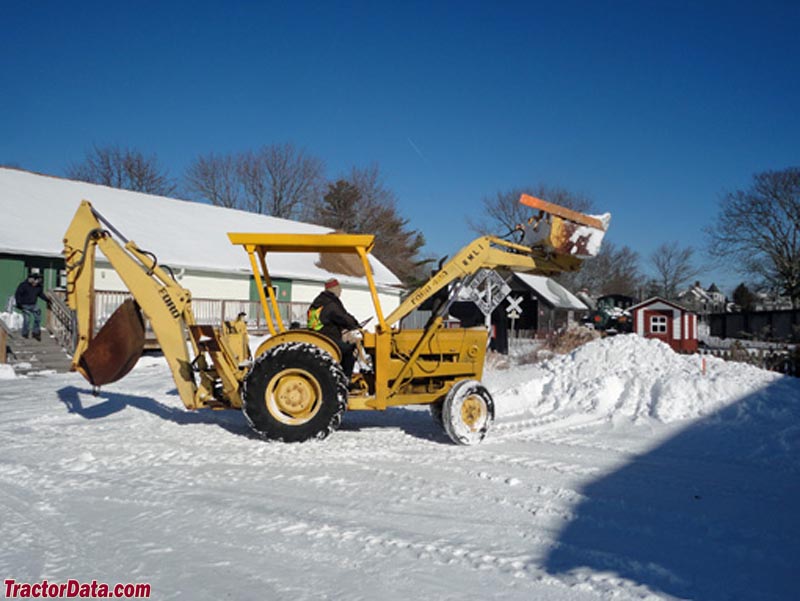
(658, 324)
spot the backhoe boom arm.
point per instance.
(166, 304)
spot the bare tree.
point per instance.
(123, 168)
(759, 229)
(215, 179)
(674, 267)
(613, 271)
(277, 180)
(502, 212)
(280, 180)
(253, 179)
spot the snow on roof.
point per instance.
(657, 299)
(553, 292)
(36, 210)
(695, 291)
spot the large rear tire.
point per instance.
(295, 392)
(467, 412)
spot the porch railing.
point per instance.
(61, 319)
(3, 341)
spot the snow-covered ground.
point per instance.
(621, 471)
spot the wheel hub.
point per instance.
(473, 412)
(293, 396)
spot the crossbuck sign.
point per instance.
(513, 310)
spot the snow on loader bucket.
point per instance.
(563, 231)
(116, 348)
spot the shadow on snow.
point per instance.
(416, 423)
(711, 513)
(110, 403)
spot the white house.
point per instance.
(190, 237)
(703, 300)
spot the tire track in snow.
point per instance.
(365, 544)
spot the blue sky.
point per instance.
(651, 109)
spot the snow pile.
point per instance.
(627, 376)
(6, 372)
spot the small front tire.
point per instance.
(467, 412)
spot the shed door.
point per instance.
(658, 324)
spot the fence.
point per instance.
(785, 360)
(61, 320)
(781, 325)
(210, 311)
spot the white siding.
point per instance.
(106, 279)
(217, 286)
(677, 330)
(206, 285)
(201, 285)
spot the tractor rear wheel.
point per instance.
(295, 392)
(467, 412)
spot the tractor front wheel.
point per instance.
(467, 412)
(295, 392)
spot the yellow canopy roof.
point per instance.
(339, 243)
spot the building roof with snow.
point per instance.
(552, 292)
(36, 210)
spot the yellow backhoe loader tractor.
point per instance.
(294, 388)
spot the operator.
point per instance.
(25, 297)
(328, 316)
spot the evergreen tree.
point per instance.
(361, 204)
(340, 208)
(744, 297)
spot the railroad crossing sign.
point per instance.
(486, 289)
(513, 310)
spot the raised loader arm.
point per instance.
(109, 355)
(555, 241)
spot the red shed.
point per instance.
(666, 321)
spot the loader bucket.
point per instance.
(563, 231)
(116, 348)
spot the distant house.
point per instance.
(190, 237)
(767, 300)
(703, 300)
(666, 321)
(546, 305)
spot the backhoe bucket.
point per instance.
(116, 348)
